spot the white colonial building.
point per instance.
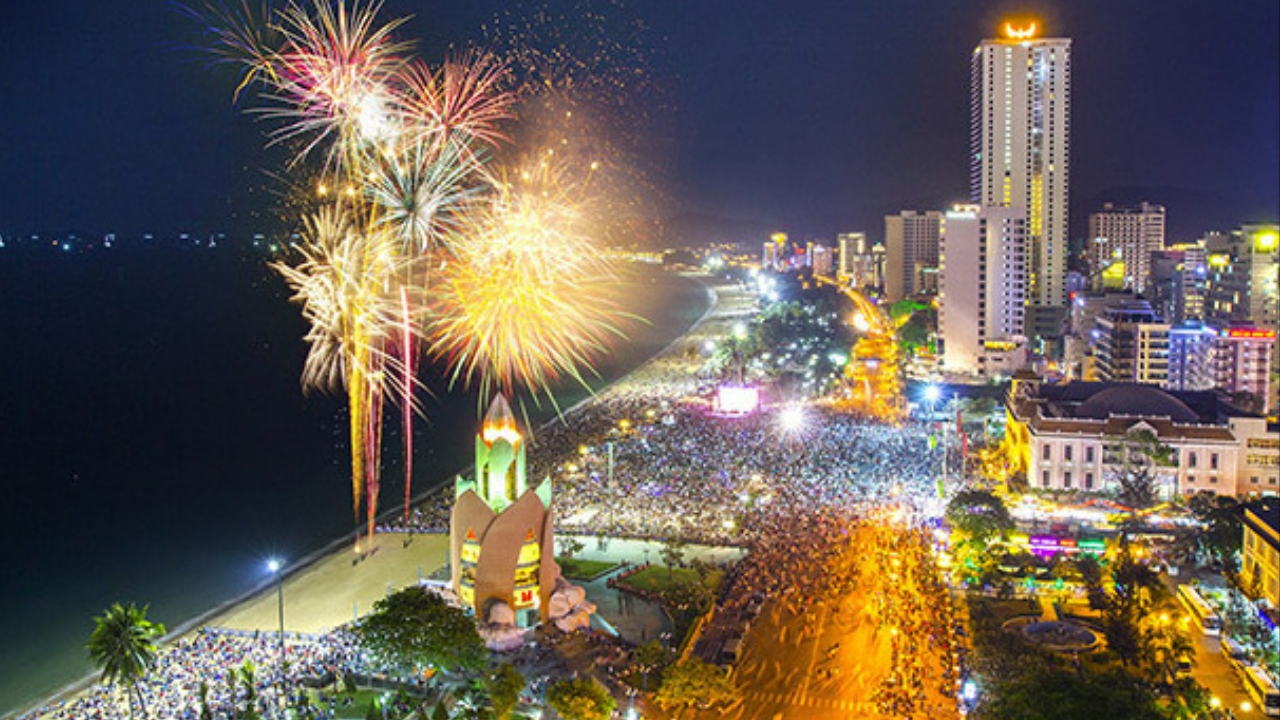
(1080, 436)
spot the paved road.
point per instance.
(1214, 672)
(820, 652)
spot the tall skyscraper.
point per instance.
(983, 291)
(1120, 244)
(1020, 127)
(911, 244)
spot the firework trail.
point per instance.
(419, 242)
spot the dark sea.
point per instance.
(156, 447)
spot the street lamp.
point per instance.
(274, 566)
(931, 395)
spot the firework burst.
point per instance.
(526, 301)
(418, 243)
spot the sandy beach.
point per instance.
(340, 586)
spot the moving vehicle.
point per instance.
(1205, 616)
(1262, 690)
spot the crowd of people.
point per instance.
(648, 458)
(221, 671)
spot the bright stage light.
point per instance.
(792, 419)
(736, 400)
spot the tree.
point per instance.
(581, 699)
(693, 681)
(649, 657)
(1223, 533)
(673, 553)
(1135, 590)
(979, 514)
(1051, 694)
(504, 686)
(571, 546)
(1091, 576)
(415, 629)
(1141, 452)
(123, 646)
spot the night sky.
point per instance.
(812, 117)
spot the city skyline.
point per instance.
(815, 120)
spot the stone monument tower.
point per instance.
(501, 543)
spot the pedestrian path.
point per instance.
(1048, 611)
(804, 700)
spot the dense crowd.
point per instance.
(222, 671)
(646, 459)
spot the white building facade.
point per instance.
(1020, 129)
(1082, 435)
(983, 291)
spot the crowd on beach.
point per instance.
(222, 671)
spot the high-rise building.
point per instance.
(911, 247)
(983, 291)
(1131, 344)
(1020, 123)
(861, 262)
(1244, 273)
(1190, 357)
(1241, 362)
(821, 259)
(1120, 244)
(1177, 283)
(849, 245)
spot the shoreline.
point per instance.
(331, 552)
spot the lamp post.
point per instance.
(274, 566)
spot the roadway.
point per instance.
(1214, 672)
(824, 649)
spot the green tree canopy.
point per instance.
(693, 681)
(503, 686)
(1223, 532)
(415, 629)
(979, 514)
(123, 647)
(581, 699)
(1061, 695)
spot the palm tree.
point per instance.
(123, 646)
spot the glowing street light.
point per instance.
(275, 567)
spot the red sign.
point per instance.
(1250, 333)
